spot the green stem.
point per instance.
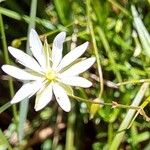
(4, 144)
(113, 2)
(110, 133)
(113, 104)
(133, 82)
(24, 103)
(6, 57)
(53, 32)
(95, 47)
(4, 107)
(17, 16)
(56, 130)
(109, 53)
(70, 131)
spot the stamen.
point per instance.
(50, 75)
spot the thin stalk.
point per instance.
(56, 130)
(95, 47)
(113, 2)
(4, 144)
(53, 32)
(113, 104)
(133, 82)
(4, 107)
(109, 53)
(70, 131)
(110, 133)
(7, 61)
(24, 103)
(12, 14)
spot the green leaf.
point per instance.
(4, 145)
(142, 31)
(4, 107)
(63, 7)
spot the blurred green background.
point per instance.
(119, 38)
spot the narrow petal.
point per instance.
(18, 73)
(24, 59)
(26, 91)
(43, 97)
(62, 97)
(57, 48)
(79, 67)
(72, 55)
(37, 48)
(76, 81)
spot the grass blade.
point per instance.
(6, 58)
(142, 32)
(17, 16)
(4, 145)
(4, 107)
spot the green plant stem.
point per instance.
(53, 32)
(56, 130)
(24, 103)
(6, 57)
(4, 142)
(17, 16)
(128, 118)
(4, 107)
(110, 133)
(70, 131)
(113, 104)
(113, 2)
(133, 82)
(95, 47)
(109, 53)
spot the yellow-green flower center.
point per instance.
(50, 75)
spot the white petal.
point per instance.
(76, 81)
(57, 48)
(62, 97)
(26, 91)
(72, 55)
(18, 73)
(24, 59)
(43, 97)
(79, 67)
(37, 48)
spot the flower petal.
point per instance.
(43, 97)
(57, 48)
(79, 67)
(18, 73)
(72, 55)
(37, 48)
(76, 81)
(24, 59)
(26, 91)
(62, 97)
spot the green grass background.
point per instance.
(118, 33)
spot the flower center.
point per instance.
(50, 75)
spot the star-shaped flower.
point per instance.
(46, 71)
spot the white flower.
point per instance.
(47, 71)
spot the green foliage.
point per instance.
(118, 35)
